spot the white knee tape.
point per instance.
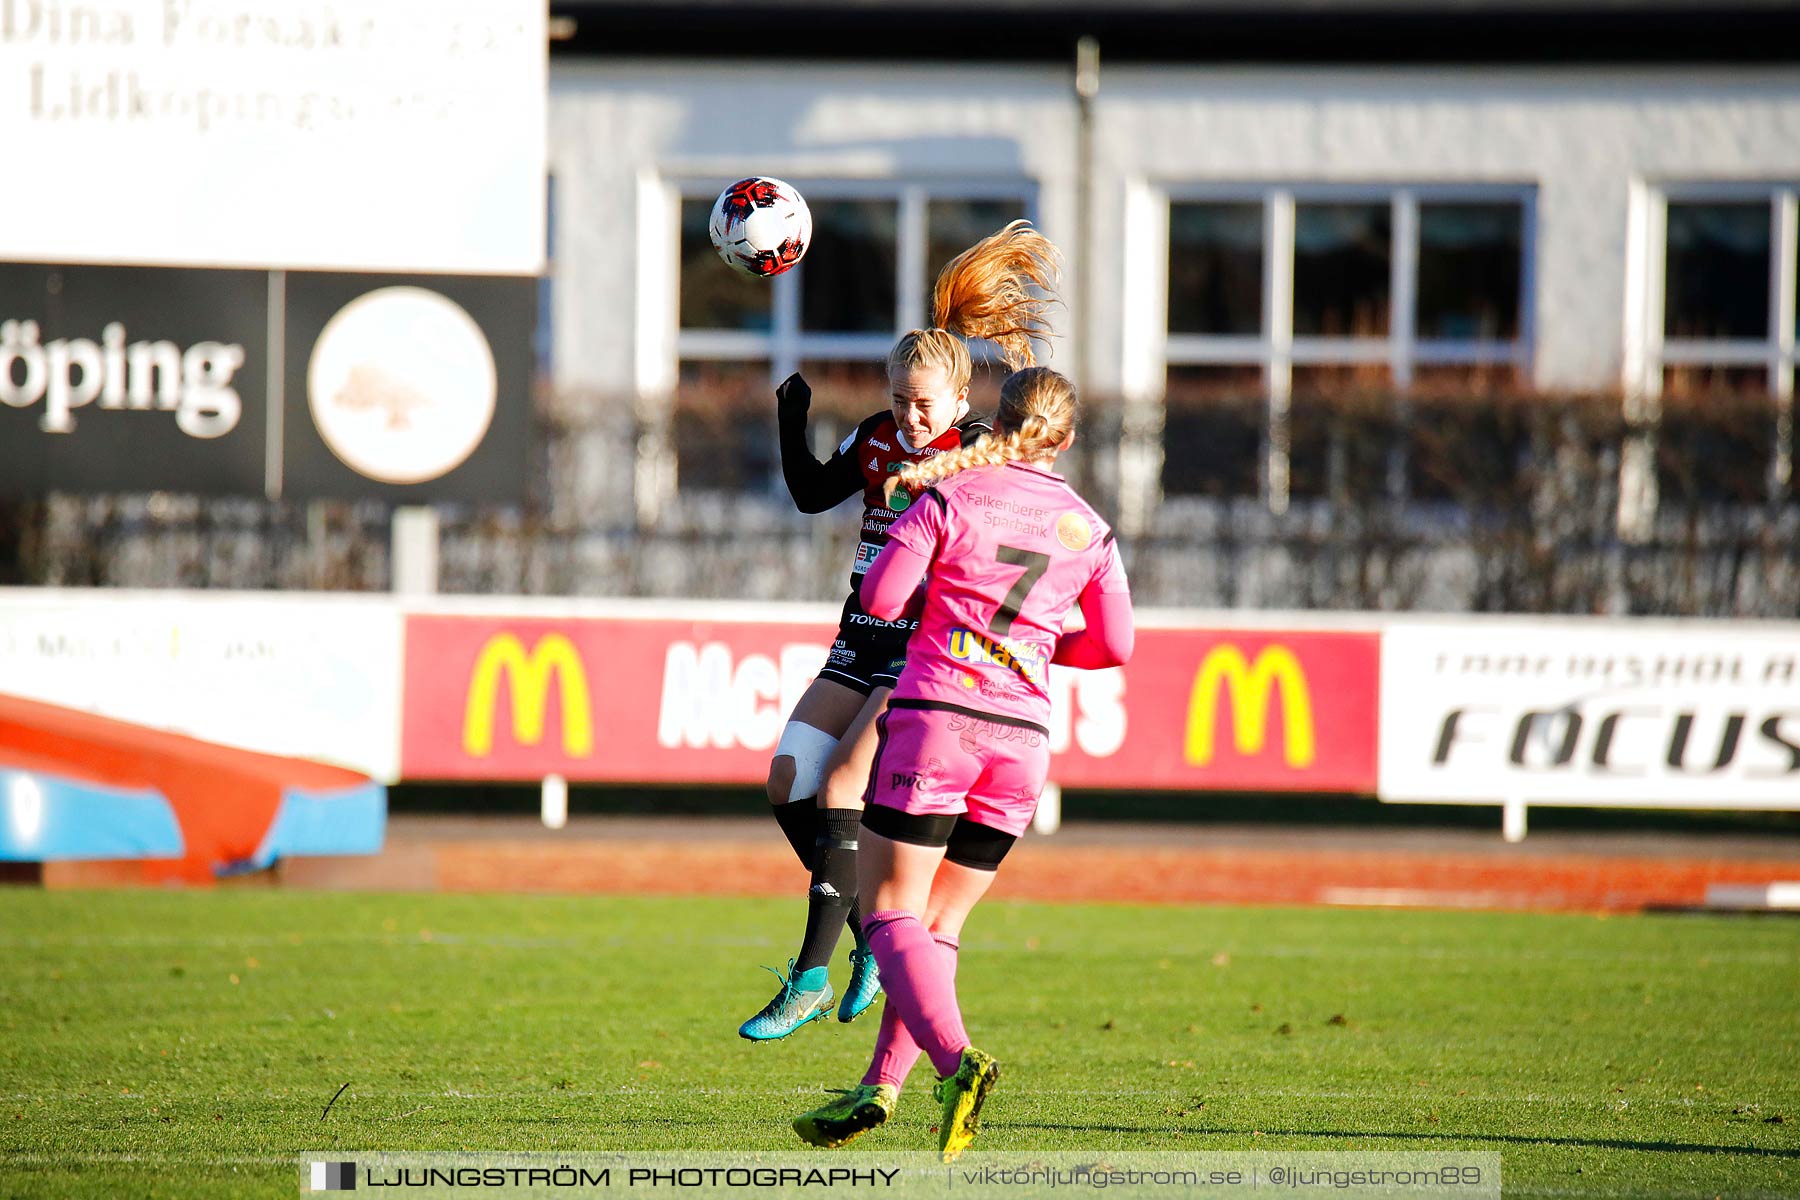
(809, 748)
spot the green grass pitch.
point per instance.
(185, 1043)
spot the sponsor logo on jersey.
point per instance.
(997, 689)
(1031, 662)
(902, 501)
(866, 554)
(971, 732)
(878, 444)
(877, 622)
(1032, 511)
(1073, 531)
(927, 774)
(875, 464)
(841, 654)
(1006, 513)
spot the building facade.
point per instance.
(1372, 305)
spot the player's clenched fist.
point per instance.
(793, 396)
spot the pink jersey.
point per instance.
(1011, 550)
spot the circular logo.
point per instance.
(1073, 531)
(401, 385)
(901, 502)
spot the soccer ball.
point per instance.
(760, 227)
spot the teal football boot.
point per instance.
(864, 985)
(805, 996)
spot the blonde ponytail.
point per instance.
(1037, 411)
(1000, 289)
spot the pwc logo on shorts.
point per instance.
(401, 385)
(925, 775)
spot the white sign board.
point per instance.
(400, 135)
(1660, 714)
(310, 677)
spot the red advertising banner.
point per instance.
(1245, 710)
(652, 701)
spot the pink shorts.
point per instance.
(943, 761)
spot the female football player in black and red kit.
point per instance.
(998, 289)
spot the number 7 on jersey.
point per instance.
(1035, 565)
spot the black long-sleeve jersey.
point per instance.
(874, 450)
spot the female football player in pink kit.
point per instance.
(1007, 549)
(997, 289)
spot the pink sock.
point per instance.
(919, 984)
(895, 1049)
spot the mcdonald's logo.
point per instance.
(529, 675)
(1250, 684)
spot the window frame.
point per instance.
(1775, 351)
(1649, 351)
(1277, 350)
(1401, 348)
(785, 346)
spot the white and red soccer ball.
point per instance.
(760, 227)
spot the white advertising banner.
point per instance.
(404, 135)
(1651, 714)
(308, 676)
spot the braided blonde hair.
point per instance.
(1037, 411)
(998, 289)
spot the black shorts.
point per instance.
(869, 652)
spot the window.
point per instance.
(866, 278)
(723, 426)
(1470, 258)
(1215, 268)
(712, 295)
(1716, 436)
(1212, 432)
(1720, 323)
(1322, 290)
(1717, 286)
(1343, 262)
(847, 281)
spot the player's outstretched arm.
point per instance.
(814, 485)
(892, 579)
(1109, 637)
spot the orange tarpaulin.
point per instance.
(80, 786)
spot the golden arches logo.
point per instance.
(1225, 669)
(529, 675)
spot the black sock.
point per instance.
(833, 891)
(854, 920)
(799, 819)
